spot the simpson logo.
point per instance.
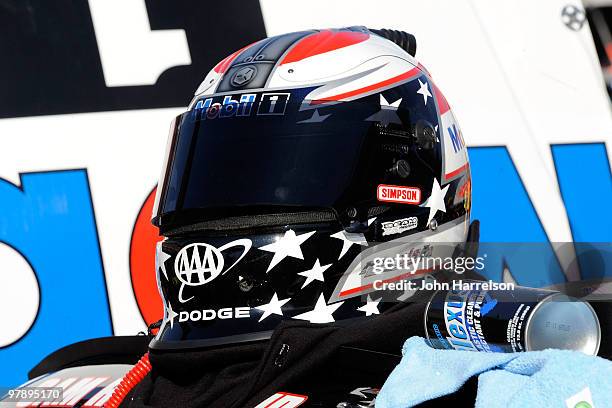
(398, 194)
(399, 226)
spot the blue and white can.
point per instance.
(522, 319)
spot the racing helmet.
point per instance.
(300, 158)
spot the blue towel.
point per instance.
(549, 378)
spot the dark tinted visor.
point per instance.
(272, 151)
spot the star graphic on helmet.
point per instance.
(316, 273)
(387, 113)
(171, 315)
(371, 307)
(273, 307)
(435, 202)
(160, 259)
(348, 239)
(288, 245)
(322, 312)
(315, 118)
(424, 90)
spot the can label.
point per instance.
(479, 320)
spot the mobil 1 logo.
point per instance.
(243, 105)
(273, 103)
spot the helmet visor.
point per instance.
(273, 153)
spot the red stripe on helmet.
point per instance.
(440, 100)
(322, 42)
(382, 84)
(456, 171)
(422, 68)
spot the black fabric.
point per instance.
(104, 350)
(603, 309)
(324, 362)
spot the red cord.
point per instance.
(129, 381)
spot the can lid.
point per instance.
(563, 322)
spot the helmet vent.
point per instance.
(406, 41)
(257, 221)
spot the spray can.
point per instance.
(521, 319)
